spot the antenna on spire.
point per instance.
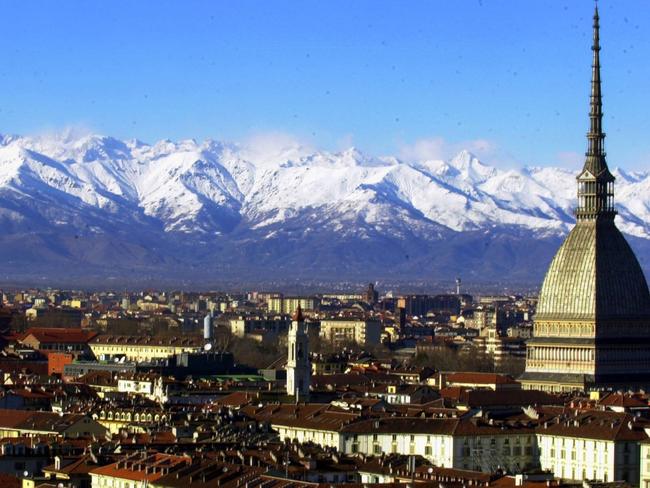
(596, 136)
(595, 182)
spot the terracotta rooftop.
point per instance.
(625, 401)
(58, 335)
(37, 421)
(147, 341)
(143, 467)
(596, 425)
(481, 378)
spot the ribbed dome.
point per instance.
(594, 275)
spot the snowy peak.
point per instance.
(214, 188)
(470, 168)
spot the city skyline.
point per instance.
(419, 83)
(274, 310)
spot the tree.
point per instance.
(256, 354)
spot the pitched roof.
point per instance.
(620, 400)
(491, 398)
(58, 335)
(596, 425)
(37, 421)
(74, 465)
(147, 341)
(237, 399)
(437, 426)
(149, 467)
(309, 416)
(481, 378)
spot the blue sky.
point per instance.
(506, 78)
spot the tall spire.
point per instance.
(596, 137)
(595, 182)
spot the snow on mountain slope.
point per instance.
(215, 188)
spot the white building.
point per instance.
(342, 331)
(472, 443)
(644, 463)
(298, 365)
(592, 445)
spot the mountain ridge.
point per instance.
(209, 210)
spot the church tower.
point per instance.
(592, 326)
(298, 365)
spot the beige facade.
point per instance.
(582, 459)
(241, 326)
(342, 331)
(288, 305)
(445, 442)
(116, 419)
(142, 349)
(644, 464)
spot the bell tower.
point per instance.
(298, 365)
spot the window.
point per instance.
(466, 448)
(427, 450)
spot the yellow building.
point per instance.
(288, 305)
(116, 419)
(142, 348)
(342, 331)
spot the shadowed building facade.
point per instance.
(592, 326)
(298, 364)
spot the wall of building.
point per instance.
(589, 459)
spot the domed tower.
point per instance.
(298, 364)
(592, 326)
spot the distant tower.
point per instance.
(371, 294)
(207, 328)
(298, 366)
(457, 286)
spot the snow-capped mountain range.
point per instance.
(69, 202)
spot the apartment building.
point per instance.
(342, 331)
